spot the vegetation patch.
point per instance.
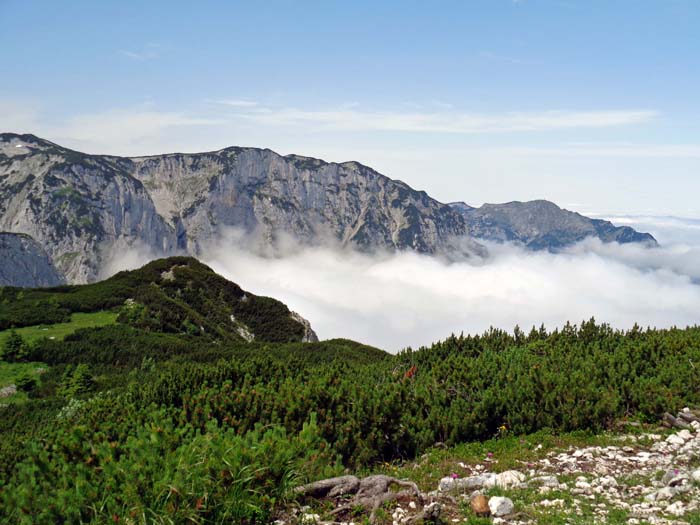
(59, 331)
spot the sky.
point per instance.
(592, 104)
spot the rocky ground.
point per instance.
(650, 477)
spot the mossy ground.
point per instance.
(60, 330)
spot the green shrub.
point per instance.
(25, 382)
(14, 349)
(163, 472)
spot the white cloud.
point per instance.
(405, 299)
(128, 125)
(448, 122)
(608, 150)
(19, 116)
(681, 232)
(235, 103)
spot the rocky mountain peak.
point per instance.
(541, 225)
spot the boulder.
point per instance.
(500, 506)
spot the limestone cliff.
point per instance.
(24, 263)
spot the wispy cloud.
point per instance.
(608, 150)
(150, 51)
(129, 130)
(19, 116)
(235, 103)
(447, 122)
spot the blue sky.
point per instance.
(592, 104)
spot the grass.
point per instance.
(61, 330)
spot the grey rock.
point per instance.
(431, 513)
(541, 225)
(309, 334)
(449, 484)
(25, 263)
(509, 478)
(500, 506)
(545, 481)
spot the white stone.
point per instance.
(677, 508)
(675, 439)
(685, 434)
(509, 478)
(500, 506)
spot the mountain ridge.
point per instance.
(85, 208)
(542, 225)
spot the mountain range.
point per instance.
(83, 209)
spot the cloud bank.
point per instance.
(405, 299)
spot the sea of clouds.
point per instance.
(405, 299)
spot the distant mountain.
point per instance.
(172, 295)
(541, 225)
(25, 263)
(83, 208)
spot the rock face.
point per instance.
(78, 207)
(82, 208)
(309, 334)
(541, 225)
(25, 263)
(308, 199)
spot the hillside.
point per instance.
(176, 295)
